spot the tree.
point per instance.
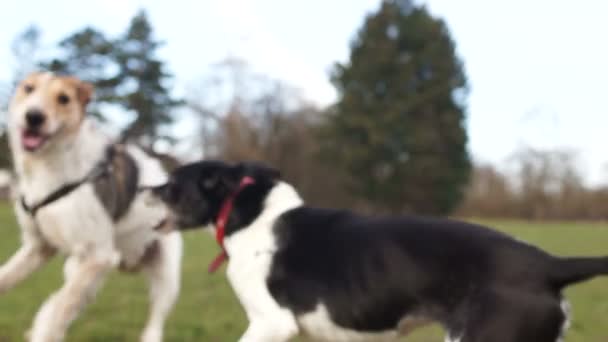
(549, 184)
(145, 80)
(126, 72)
(5, 156)
(247, 116)
(5, 160)
(398, 125)
(24, 48)
(489, 194)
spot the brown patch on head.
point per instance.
(69, 97)
(60, 100)
(55, 93)
(83, 90)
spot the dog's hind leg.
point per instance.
(163, 273)
(85, 273)
(511, 316)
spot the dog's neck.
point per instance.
(280, 199)
(65, 161)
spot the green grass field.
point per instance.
(208, 311)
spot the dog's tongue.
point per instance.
(32, 141)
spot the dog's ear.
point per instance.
(259, 171)
(84, 91)
(225, 180)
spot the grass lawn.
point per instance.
(208, 311)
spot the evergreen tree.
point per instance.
(144, 81)
(126, 72)
(398, 126)
(5, 156)
(5, 160)
(24, 49)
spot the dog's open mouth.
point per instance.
(33, 140)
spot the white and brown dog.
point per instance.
(78, 197)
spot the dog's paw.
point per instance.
(152, 335)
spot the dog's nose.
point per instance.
(34, 118)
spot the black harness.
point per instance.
(102, 168)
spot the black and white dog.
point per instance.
(333, 275)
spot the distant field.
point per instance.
(208, 311)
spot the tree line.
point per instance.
(393, 141)
(537, 185)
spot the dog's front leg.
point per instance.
(268, 321)
(84, 278)
(163, 275)
(23, 263)
(33, 253)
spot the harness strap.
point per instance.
(102, 168)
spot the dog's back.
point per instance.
(404, 263)
(369, 274)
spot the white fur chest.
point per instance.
(79, 219)
(251, 250)
(72, 221)
(75, 221)
(258, 238)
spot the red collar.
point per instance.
(222, 220)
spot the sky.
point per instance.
(537, 69)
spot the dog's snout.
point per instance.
(160, 191)
(35, 118)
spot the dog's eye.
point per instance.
(28, 88)
(63, 99)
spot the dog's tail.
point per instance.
(568, 271)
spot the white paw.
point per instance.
(152, 335)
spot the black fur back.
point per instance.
(370, 272)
